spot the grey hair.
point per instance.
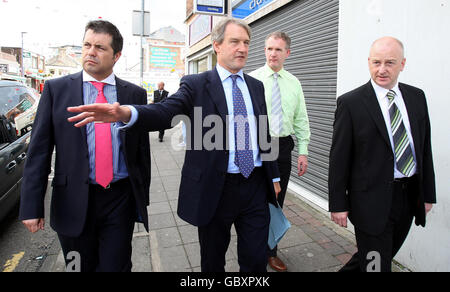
(281, 35)
(218, 33)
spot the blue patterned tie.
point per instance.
(244, 155)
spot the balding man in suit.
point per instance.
(381, 166)
(159, 96)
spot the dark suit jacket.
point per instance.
(362, 161)
(204, 172)
(71, 182)
(160, 97)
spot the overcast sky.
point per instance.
(62, 22)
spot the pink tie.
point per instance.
(103, 145)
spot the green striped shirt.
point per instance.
(295, 116)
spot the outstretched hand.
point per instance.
(99, 113)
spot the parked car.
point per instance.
(17, 109)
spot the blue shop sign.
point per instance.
(244, 8)
(210, 7)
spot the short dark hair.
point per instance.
(106, 27)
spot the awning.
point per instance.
(37, 77)
(13, 77)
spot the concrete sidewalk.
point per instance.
(313, 244)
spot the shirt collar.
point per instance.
(382, 92)
(268, 72)
(111, 79)
(224, 73)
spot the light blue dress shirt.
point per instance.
(89, 97)
(227, 83)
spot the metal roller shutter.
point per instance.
(313, 27)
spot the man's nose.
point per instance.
(91, 51)
(383, 68)
(242, 47)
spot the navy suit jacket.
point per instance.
(362, 162)
(204, 172)
(71, 181)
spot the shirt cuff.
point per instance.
(303, 149)
(134, 118)
(275, 180)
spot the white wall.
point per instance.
(424, 28)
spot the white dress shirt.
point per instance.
(384, 105)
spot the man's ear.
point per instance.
(403, 64)
(216, 47)
(117, 57)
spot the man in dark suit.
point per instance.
(221, 184)
(159, 96)
(102, 173)
(381, 166)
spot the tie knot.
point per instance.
(275, 76)
(98, 85)
(234, 78)
(391, 95)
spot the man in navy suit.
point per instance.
(220, 186)
(94, 206)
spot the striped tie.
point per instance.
(403, 152)
(277, 110)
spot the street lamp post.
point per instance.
(141, 46)
(22, 73)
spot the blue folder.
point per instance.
(278, 227)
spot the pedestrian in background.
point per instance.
(159, 96)
(102, 174)
(286, 108)
(381, 166)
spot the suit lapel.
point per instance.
(373, 107)
(408, 98)
(217, 93)
(123, 97)
(257, 100)
(77, 90)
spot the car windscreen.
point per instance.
(15, 100)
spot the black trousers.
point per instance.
(375, 253)
(244, 204)
(105, 243)
(285, 167)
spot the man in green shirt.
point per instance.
(287, 115)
